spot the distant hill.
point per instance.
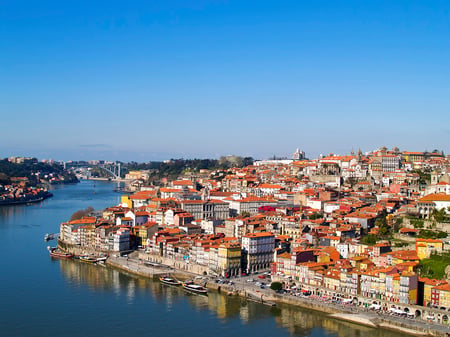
(35, 172)
(176, 167)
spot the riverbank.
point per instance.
(25, 200)
(106, 179)
(373, 323)
(357, 315)
(268, 297)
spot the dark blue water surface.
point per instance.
(40, 296)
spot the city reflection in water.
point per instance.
(96, 277)
(297, 321)
(15, 212)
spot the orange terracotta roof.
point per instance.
(435, 197)
(272, 186)
(443, 287)
(261, 234)
(182, 183)
(284, 256)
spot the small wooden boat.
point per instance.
(87, 259)
(195, 288)
(169, 281)
(54, 252)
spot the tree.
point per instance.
(397, 224)
(316, 215)
(430, 234)
(276, 286)
(4, 179)
(81, 213)
(383, 230)
(381, 221)
(439, 215)
(370, 239)
(424, 177)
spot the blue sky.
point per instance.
(151, 80)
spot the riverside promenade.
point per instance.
(248, 290)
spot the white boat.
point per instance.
(49, 237)
(169, 281)
(195, 288)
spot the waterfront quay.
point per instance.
(140, 264)
(139, 267)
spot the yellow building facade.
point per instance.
(229, 258)
(425, 247)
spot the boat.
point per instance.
(169, 281)
(87, 259)
(48, 237)
(195, 288)
(54, 252)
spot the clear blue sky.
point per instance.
(148, 80)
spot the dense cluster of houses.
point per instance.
(301, 219)
(19, 192)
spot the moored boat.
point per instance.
(195, 288)
(87, 259)
(48, 237)
(169, 281)
(54, 252)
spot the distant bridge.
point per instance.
(113, 169)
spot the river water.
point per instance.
(40, 296)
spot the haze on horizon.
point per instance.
(156, 80)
